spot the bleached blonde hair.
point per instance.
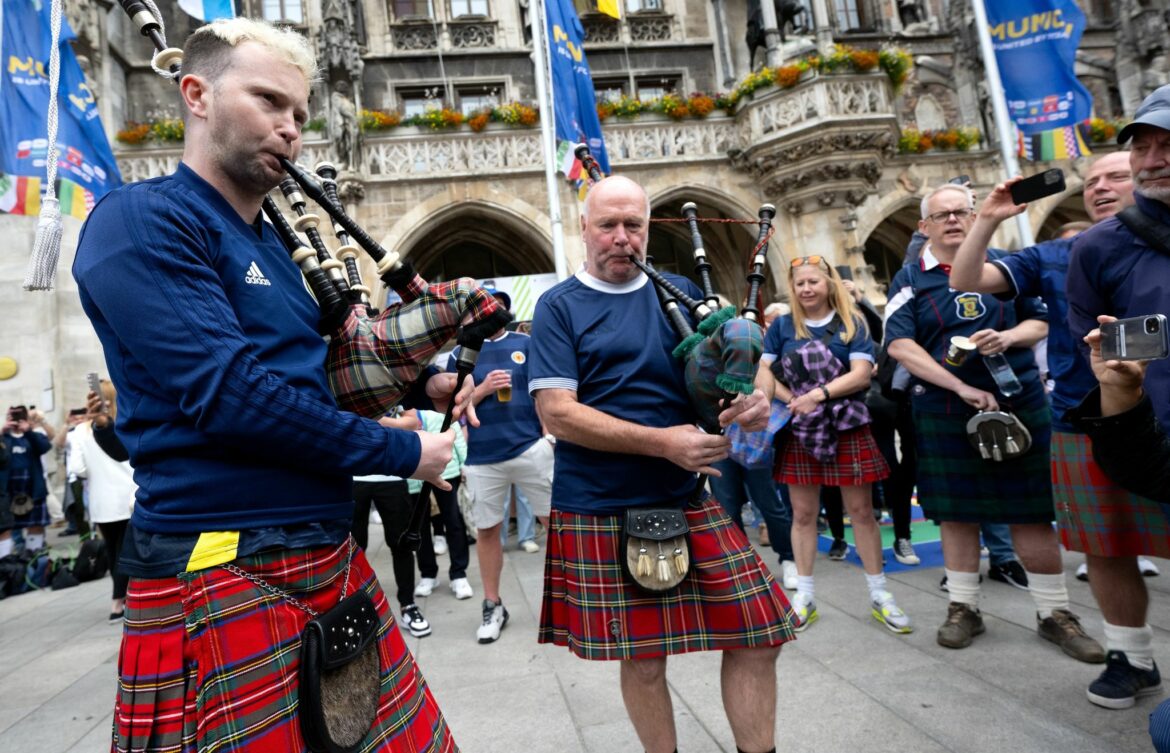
(207, 51)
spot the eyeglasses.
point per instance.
(814, 261)
(940, 217)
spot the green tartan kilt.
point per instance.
(956, 484)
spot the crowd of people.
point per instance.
(245, 521)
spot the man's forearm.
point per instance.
(970, 270)
(589, 427)
(1027, 333)
(919, 363)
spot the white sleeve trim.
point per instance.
(900, 299)
(767, 358)
(861, 357)
(551, 383)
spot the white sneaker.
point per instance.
(1083, 571)
(495, 617)
(426, 586)
(440, 545)
(461, 588)
(1149, 569)
(412, 618)
(788, 574)
(886, 611)
(530, 546)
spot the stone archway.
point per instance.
(1070, 209)
(728, 245)
(478, 237)
(885, 247)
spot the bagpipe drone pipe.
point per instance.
(374, 358)
(722, 352)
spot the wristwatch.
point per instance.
(825, 390)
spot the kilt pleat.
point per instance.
(1095, 515)
(859, 461)
(728, 600)
(956, 484)
(209, 661)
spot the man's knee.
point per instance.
(645, 671)
(753, 658)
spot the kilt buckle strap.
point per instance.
(998, 435)
(656, 554)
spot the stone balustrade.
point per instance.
(826, 107)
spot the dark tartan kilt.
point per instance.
(956, 484)
(859, 461)
(209, 661)
(727, 601)
(1095, 515)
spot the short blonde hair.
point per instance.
(207, 51)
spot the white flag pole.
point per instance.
(1007, 150)
(547, 139)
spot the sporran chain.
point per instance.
(266, 586)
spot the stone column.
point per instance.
(824, 33)
(771, 33)
(723, 43)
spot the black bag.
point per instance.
(340, 678)
(92, 561)
(656, 555)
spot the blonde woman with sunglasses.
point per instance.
(822, 356)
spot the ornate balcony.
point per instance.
(824, 140)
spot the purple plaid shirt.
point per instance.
(808, 367)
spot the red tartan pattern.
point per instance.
(209, 661)
(858, 462)
(372, 363)
(1094, 515)
(728, 600)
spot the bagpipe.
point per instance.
(722, 351)
(374, 358)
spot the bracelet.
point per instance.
(825, 390)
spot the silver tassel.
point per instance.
(644, 568)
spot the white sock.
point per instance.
(963, 587)
(1137, 643)
(1048, 591)
(5, 547)
(804, 587)
(33, 541)
(877, 585)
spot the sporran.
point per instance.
(340, 678)
(656, 555)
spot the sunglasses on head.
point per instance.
(814, 261)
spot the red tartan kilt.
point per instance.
(859, 461)
(210, 662)
(728, 600)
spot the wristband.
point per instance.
(825, 390)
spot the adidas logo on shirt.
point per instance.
(255, 276)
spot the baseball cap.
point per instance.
(1154, 110)
(504, 297)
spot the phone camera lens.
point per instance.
(1152, 325)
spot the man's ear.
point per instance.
(195, 91)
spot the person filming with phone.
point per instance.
(27, 490)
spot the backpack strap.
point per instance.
(1151, 231)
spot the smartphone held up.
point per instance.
(1038, 186)
(1139, 338)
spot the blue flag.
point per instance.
(573, 99)
(1036, 45)
(86, 164)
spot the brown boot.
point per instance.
(1064, 629)
(964, 622)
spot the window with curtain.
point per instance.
(637, 6)
(288, 11)
(412, 9)
(461, 8)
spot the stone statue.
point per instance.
(787, 11)
(343, 127)
(910, 11)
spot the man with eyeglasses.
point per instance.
(1095, 516)
(956, 486)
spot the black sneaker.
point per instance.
(838, 550)
(413, 618)
(1121, 683)
(1010, 572)
(942, 584)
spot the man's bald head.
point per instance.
(614, 185)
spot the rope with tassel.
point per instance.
(42, 266)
